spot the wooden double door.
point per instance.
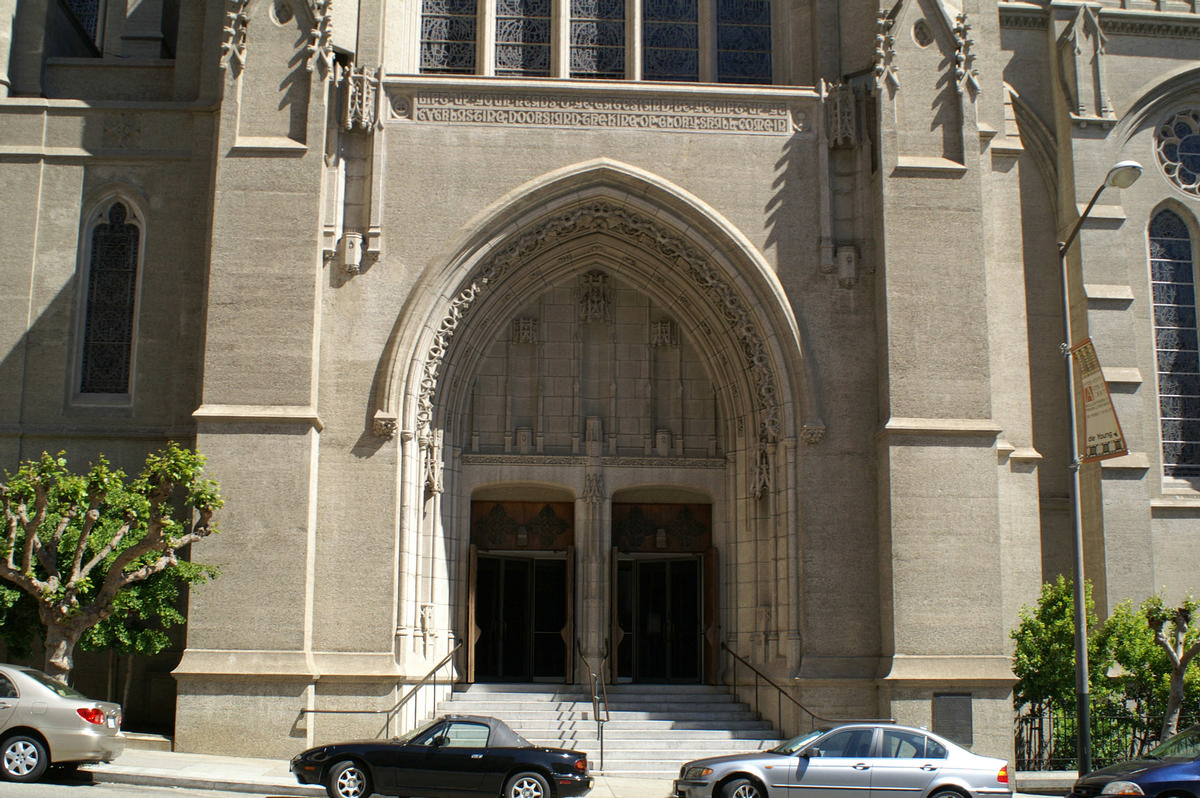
(522, 602)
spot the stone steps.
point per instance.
(651, 729)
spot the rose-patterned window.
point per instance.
(1173, 281)
(707, 41)
(1178, 145)
(113, 247)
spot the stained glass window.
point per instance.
(87, 12)
(727, 41)
(1178, 145)
(598, 39)
(1173, 282)
(448, 36)
(743, 41)
(111, 289)
(671, 46)
(523, 37)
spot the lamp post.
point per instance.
(1123, 175)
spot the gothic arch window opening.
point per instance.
(111, 259)
(711, 41)
(1177, 348)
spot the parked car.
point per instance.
(43, 722)
(881, 760)
(454, 755)
(1170, 768)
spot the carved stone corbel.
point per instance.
(384, 425)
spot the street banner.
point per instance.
(1101, 430)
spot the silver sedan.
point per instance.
(852, 761)
(43, 722)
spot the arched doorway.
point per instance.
(617, 343)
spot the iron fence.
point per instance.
(1047, 740)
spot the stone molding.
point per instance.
(604, 215)
(276, 414)
(582, 461)
(526, 107)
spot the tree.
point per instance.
(79, 543)
(1181, 645)
(1044, 651)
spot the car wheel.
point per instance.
(527, 785)
(348, 780)
(742, 788)
(947, 792)
(23, 759)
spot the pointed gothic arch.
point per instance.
(664, 245)
(614, 201)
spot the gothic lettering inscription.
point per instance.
(479, 108)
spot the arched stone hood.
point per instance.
(714, 265)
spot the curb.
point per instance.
(154, 780)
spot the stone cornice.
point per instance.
(274, 414)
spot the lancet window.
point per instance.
(114, 243)
(711, 41)
(1172, 276)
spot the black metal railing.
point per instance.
(761, 678)
(598, 689)
(1047, 740)
(408, 697)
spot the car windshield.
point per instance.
(797, 743)
(55, 687)
(1183, 747)
(404, 738)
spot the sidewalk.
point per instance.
(271, 776)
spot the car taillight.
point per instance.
(1002, 776)
(92, 715)
(581, 764)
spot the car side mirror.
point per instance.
(810, 752)
(440, 740)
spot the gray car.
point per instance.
(852, 761)
(43, 722)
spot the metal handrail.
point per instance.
(404, 699)
(782, 693)
(599, 696)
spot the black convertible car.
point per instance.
(448, 757)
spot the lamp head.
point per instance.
(1124, 174)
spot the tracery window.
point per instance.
(721, 41)
(1178, 145)
(114, 241)
(1173, 281)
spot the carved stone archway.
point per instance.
(673, 250)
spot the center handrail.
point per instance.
(782, 693)
(598, 688)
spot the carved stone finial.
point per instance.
(965, 73)
(320, 44)
(885, 52)
(233, 45)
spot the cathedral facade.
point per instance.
(540, 336)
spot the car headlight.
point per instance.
(1121, 788)
(696, 772)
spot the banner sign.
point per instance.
(1101, 430)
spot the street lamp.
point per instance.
(1123, 175)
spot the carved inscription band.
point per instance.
(479, 108)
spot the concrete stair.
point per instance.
(651, 731)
